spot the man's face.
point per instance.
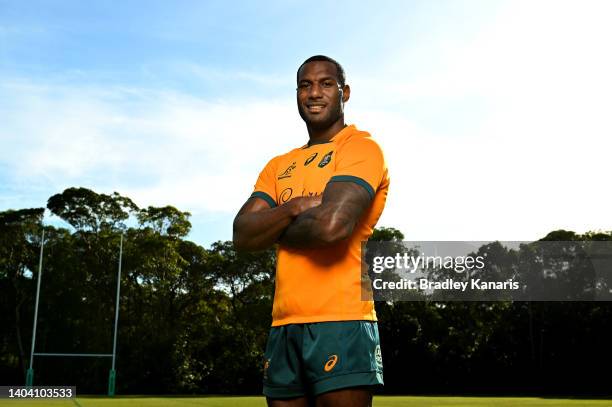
(320, 100)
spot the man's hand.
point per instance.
(257, 226)
(342, 206)
(303, 203)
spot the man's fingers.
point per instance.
(306, 202)
(314, 201)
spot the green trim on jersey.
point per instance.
(356, 180)
(265, 197)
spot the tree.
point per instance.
(195, 319)
(19, 242)
(86, 210)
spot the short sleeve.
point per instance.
(360, 160)
(265, 187)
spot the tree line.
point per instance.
(195, 320)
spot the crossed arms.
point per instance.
(302, 222)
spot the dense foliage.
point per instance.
(195, 320)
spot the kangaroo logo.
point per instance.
(287, 172)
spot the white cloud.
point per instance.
(537, 159)
(532, 155)
(158, 148)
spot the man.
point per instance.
(318, 203)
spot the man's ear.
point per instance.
(346, 93)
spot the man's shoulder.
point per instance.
(358, 140)
(283, 156)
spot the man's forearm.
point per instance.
(260, 230)
(316, 227)
(343, 204)
(257, 227)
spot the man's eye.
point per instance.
(328, 84)
(303, 85)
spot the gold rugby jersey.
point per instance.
(324, 284)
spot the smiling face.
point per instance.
(320, 98)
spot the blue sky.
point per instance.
(494, 115)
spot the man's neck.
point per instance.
(319, 136)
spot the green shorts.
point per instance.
(310, 359)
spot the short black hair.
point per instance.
(339, 69)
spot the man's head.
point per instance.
(321, 91)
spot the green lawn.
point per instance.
(139, 401)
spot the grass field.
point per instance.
(380, 401)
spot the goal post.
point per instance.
(112, 372)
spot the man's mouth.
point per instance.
(315, 107)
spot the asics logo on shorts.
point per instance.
(331, 363)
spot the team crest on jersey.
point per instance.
(287, 172)
(325, 160)
(310, 159)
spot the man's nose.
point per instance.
(315, 91)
